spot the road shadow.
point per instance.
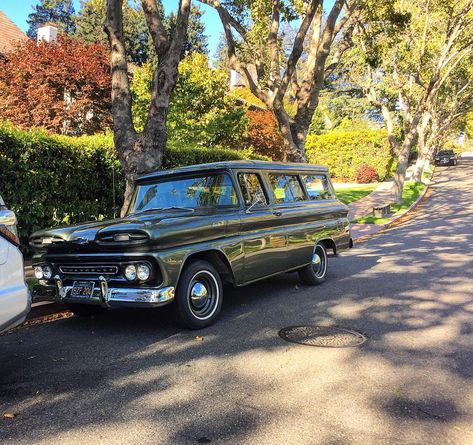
(408, 289)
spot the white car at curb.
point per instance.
(15, 299)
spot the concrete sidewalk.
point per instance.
(380, 196)
(364, 206)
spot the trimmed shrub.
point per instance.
(366, 174)
(54, 180)
(345, 151)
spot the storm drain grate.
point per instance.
(322, 336)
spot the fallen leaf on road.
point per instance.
(9, 415)
(199, 338)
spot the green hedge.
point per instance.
(53, 180)
(344, 151)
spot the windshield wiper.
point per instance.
(162, 209)
(189, 209)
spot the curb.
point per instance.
(397, 219)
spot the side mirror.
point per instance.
(8, 219)
(258, 200)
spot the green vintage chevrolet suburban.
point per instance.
(188, 230)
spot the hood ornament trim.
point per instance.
(80, 240)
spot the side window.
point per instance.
(286, 188)
(251, 187)
(318, 187)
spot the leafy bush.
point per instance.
(53, 180)
(264, 135)
(200, 111)
(366, 174)
(344, 151)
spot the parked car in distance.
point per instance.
(188, 230)
(446, 157)
(15, 299)
(7, 217)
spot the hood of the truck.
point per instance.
(133, 231)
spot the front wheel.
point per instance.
(198, 298)
(316, 271)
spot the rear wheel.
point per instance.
(85, 310)
(198, 298)
(316, 271)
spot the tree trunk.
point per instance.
(419, 166)
(142, 153)
(294, 137)
(400, 176)
(423, 149)
(402, 163)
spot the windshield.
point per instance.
(184, 193)
(446, 153)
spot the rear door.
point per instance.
(306, 213)
(263, 236)
(290, 203)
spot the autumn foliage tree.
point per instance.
(263, 134)
(62, 86)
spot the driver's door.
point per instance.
(264, 239)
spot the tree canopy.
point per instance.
(59, 12)
(139, 44)
(63, 87)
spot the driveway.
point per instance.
(134, 378)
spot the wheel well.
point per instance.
(329, 244)
(217, 259)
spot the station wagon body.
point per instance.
(188, 230)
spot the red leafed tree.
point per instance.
(62, 86)
(264, 135)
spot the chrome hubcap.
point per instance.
(316, 260)
(319, 262)
(203, 295)
(199, 295)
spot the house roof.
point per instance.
(10, 34)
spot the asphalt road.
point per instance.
(134, 378)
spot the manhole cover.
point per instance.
(323, 336)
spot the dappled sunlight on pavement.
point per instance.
(134, 377)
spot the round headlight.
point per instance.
(47, 272)
(143, 272)
(130, 272)
(38, 272)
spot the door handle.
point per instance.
(277, 213)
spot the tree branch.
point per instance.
(228, 18)
(155, 26)
(297, 49)
(273, 42)
(121, 96)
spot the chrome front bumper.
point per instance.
(118, 296)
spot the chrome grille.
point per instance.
(85, 269)
(42, 241)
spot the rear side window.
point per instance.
(318, 187)
(251, 187)
(286, 188)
